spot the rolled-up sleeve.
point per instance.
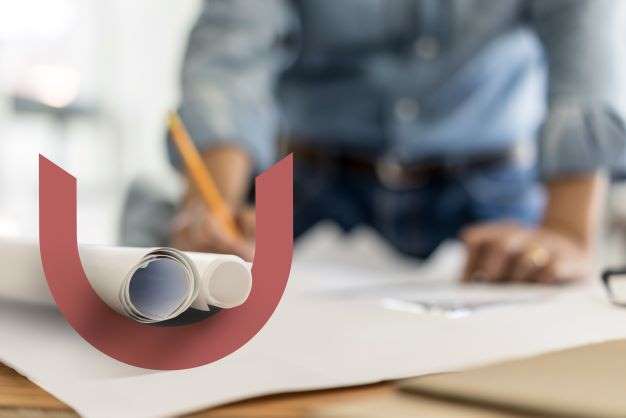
(584, 130)
(228, 74)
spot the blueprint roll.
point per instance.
(148, 285)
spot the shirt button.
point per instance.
(427, 47)
(406, 109)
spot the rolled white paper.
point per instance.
(118, 275)
(146, 284)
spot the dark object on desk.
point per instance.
(614, 281)
(190, 316)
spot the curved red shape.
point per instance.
(165, 348)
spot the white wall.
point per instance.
(128, 53)
(140, 49)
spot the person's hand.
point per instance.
(509, 252)
(194, 229)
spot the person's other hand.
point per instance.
(509, 252)
(194, 229)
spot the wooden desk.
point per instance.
(20, 397)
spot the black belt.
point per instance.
(394, 174)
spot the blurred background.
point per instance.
(87, 83)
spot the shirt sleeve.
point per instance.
(228, 74)
(584, 130)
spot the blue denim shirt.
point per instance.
(406, 79)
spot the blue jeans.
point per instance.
(416, 220)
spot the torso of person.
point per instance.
(412, 79)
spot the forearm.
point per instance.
(233, 57)
(231, 169)
(574, 207)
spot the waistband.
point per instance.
(396, 175)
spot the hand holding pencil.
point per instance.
(206, 219)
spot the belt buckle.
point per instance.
(391, 174)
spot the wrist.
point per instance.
(584, 237)
(574, 206)
(230, 168)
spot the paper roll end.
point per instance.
(230, 284)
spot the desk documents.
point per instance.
(325, 333)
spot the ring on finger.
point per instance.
(537, 256)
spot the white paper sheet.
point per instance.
(314, 340)
(145, 284)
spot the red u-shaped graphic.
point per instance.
(165, 348)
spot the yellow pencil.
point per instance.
(200, 175)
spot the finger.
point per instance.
(183, 234)
(528, 269)
(197, 233)
(181, 221)
(180, 240)
(547, 274)
(482, 232)
(235, 245)
(495, 259)
(186, 227)
(243, 249)
(247, 222)
(519, 268)
(473, 238)
(218, 240)
(475, 235)
(512, 250)
(488, 263)
(238, 247)
(472, 272)
(498, 250)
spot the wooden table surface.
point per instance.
(21, 398)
